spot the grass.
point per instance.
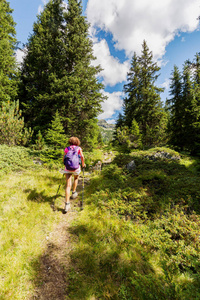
(137, 237)
(27, 191)
(26, 221)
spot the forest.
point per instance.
(137, 234)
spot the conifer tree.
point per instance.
(196, 66)
(184, 123)
(143, 101)
(191, 116)
(195, 146)
(55, 133)
(12, 129)
(39, 141)
(176, 107)
(8, 86)
(132, 89)
(188, 101)
(57, 73)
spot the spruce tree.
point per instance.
(8, 42)
(143, 102)
(176, 108)
(195, 146)
(58, 75)
(184, 123)
(132, 102)
(55, 133)
(191, 116)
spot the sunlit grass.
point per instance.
(108, 259)
(26, 220)
(137, 237)
(123, 253)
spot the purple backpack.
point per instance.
(71, 159)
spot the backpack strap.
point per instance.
(69, 148)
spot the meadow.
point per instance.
(137, 237)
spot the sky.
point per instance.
(118, 28)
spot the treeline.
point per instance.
(145, 122)
(55, 92)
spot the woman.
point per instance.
(72, 167)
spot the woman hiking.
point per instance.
(72, 167)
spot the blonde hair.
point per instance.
(74, 141)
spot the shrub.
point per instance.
(15, 158)
(12, 130)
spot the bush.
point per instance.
(12, 130)
(15, 158)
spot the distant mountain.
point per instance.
(107, 131)
(104, 124)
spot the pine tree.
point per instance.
(12, 129)
(143, 101)
(57, 73)
(176, 107)
(184, 123)
(55, 135)
(191, 116)
(196, 67)
(132, 102)
(39, 141)
(8, 42)
(195, 145)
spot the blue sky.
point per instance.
(118, 28)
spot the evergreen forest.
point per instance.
(133, 231)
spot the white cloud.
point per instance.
(166, 84)
(132, 21)
(129, 22)
(40, 9)
(65, 5)
(113, 71)
(19, 56)
(41, 6)
(111, 121)
(111, 105)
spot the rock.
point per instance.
(38, 162)
(131, 166)
(162, 155)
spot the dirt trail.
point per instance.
(54, 265)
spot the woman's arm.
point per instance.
(82, 159)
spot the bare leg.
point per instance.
(68, 187)
(75, 182)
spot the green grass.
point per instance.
(109, 262)
(26, 221)
(137, 237)
(27, 191)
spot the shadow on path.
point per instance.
(52, 267)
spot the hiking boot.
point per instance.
(74, 195)
(67, 207)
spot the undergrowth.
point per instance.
(139, 235)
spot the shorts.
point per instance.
(76, 172)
